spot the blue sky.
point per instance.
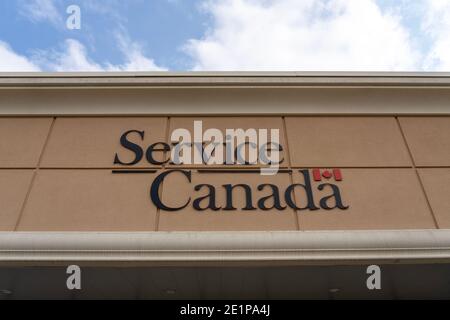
(183, 35)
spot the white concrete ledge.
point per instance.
(226, 79)
(219, 248)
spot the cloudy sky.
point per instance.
(183, 35)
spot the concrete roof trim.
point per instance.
(222, 248)
(224, 93)
(227, 79)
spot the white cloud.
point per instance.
(135, 60)
(302, 35)
(41, 10)
(13, 62)
(73, 56)
(437, 26)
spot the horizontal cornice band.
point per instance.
(221, 248)
(224, 93)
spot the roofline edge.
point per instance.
(187, 79)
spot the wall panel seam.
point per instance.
(163, 167)
(291, 175)
(417, 173)
(33, 178)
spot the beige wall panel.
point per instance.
(14, 186)
(93, 142)
(346, 142)
(223, 123)
(437, 187)
(377, 199)
(428, 139)
(89, 200)
(22, 141)
(176, 191)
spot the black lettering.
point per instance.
(276, 147)
(211, 196)
(153, 148)
(275, 195)
(154, 190)
(127, 144)
(309, 194)
(248, 196)
(336, 195)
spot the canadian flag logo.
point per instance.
(318, 174)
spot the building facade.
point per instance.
(88, 178)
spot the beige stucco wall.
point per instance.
(55, 174)
(389, 134)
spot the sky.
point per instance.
(225, 35)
